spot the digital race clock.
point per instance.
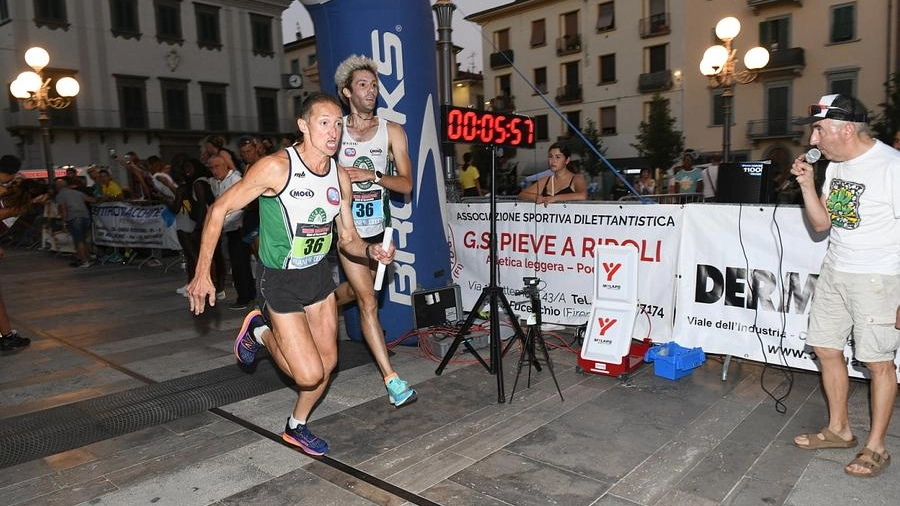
(471, 126)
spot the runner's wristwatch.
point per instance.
(378, 176)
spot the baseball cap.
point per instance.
(836, 106)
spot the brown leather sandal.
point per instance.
(876, 463)
(828, 440)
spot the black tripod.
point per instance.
(495, 295)
(535, 338)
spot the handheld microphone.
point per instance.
(379, 274)
(812, 156)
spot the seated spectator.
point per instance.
(562, 185)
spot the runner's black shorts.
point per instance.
(291, 290)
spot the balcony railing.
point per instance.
(657, 24)
(502, 59)
(651, 82)
(503, 103)
(568, 94)
(756, 5)
(792, 58)
(774, 128)
(568, 44)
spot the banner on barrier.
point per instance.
(556, 244)
(124, 224)
(747, 275)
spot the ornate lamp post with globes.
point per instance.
(719, 64)
(34, 91)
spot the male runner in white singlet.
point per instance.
(301, 195)
(368, 147)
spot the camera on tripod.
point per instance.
(532, 287)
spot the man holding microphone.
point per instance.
(858, 289)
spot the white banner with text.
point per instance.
(747, 275)
(556, 244)
(134, 225)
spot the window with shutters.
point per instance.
(843, 23)
(123, 20)
(606, 19)
(538, 32)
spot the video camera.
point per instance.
(532, 287)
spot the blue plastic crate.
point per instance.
(672, 361)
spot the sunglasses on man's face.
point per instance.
(817, 109)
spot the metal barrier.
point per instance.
(666, 198)
(660, 198)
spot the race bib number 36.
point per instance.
(311, 243)
(368, 212)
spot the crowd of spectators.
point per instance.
(187, 185)
(692, 177)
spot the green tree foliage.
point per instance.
(588, 161)
(888, 121)
(657, 139)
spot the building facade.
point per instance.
(156, 76)
(603, 61)
(302, 70)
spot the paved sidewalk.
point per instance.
(150, 408)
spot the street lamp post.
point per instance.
(34, 91)
(719, 65)
(444, 11)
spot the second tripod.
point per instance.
(534, 339)
(494, 294)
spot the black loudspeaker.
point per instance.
(745, 183)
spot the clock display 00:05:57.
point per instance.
(472, 126)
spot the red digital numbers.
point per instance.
(471, 126)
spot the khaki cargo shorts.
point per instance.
(864, 304)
